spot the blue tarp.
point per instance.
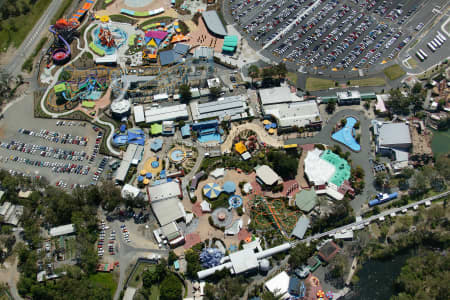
(123, 127)
(148, 175)
(162, 174)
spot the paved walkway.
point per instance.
(358, 158)
(262, 134)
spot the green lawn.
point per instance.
(292, 77)
(317, 84)
(412, 62)
(136, 280)
(15, 29)
(155, 293)
(105, 280)
(374, 81)
(394, 72)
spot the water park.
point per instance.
(177, 155)
(346, 135)
(124, 136)
(107, 39)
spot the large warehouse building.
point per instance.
(288, 110)
(159, 114)
(233, 106)
(213, 23)
(392, 139)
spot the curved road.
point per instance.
(358, 158)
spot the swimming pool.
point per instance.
(119, 35)
(177, 155)
(211, 137)
(346, 135)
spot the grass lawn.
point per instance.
(374, 81)
(447, 26)
(23, 24)
(394, 72)
(155, 293)
(105, 280)
(136, 280)
(292, 77)
(412, 62)
(317, 84)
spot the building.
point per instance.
(213, 82)
(288, 109)
(185, 131)
(165, 203)
(348, 97)
(301, 227)
(306, 200)
(295, 114)
(196, 179)
(11, 213)
(168, 128)
(213, 23)
(244, 261)
(266, 176)
(120, 109)
(203, 53)
(279, 285)
(392, 139)
(328, 251)
(127, 160)
(296, 287)
(131, 191)
(160, 114)
(110, 60)
(233, 107)
(62, 230)
(328, 173)
(170, 232)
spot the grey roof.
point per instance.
(62, 230)
(169, 57)
(164, 191)
(266, 175)
(391, 134)
(166, 113)
(181, 49)
(168, 210)
(243, 261)
(301, 227)
(229, 106)
(294, 114)
(214, 23)
(306, 200)
(204, 52)
(275, 95)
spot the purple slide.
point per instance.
(60, 55)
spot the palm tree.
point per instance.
(253, 72)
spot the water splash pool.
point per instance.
(346, 135)
(177, 155)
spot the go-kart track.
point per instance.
(329, 35)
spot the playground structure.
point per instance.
(273, 213)
(89, 89)
(63, 33)
(109, 38)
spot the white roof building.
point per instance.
(107, 59)
(279, 285)
(161, 97)
(317, 170)
(120, 106)
(128, 156)
(62, 230)
(168, 210)
(130, 191)
(266, 175)
(217, 173)
(213, 82)
(298, 114)
(11, 213)
(276, 95)
(244, 261)
(159, 114)
(232, 106)
(138, 112)
(164, 191)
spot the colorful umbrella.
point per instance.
(146, 181)
(148, 175)
(266, 122)
(329, 295)
(320, 294)
(212, 190)
(140, 178)
(143, 172)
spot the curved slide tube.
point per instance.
(60, 55)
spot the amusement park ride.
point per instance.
(106, 37)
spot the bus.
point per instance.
(431, 47)
(424, 54)
(419, 56)
(441, 36)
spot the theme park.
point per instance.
(223, 149)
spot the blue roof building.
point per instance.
(185, 131)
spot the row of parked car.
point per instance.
(56, 137)
(44, 151)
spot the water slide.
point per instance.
(60, 54)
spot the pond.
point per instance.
(346, 135)
(440, 142)
(377, 277)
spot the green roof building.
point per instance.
(59, 88)
(156, 129)
(342, 168)
(306, 200)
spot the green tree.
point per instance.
(299, 255)
(253, 72)
(417, 88)
(215, 92)
(185, 92)
(331, 106)
(281, 70)
(172, 257)
(171, 288)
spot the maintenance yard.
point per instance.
(63, 152)
(330, 35)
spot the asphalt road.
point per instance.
(358, 158)
(30, 42)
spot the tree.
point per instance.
(281, 70)
(253, 72)
(331, 106)
(172, 258)
(267, 73)
(417, 88)
(185, 92)
(299, 255)
(380, 179)
(193, 263)
(215, 92)
(171, 288)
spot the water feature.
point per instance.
(346, 135)
(177, 155)
(377, 277)
(440, 142)
(119, 36)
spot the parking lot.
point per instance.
(63, 152)
(329, 35)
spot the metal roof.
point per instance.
(267, 175)
(181, 49)
(214, 23)
(244, 260)
(275, 95)
(391, 134)
(168, 210)
(164, 191)
(62, 230)
(301, 227)
(139, 114)
(229, 106)
(306, 200)
(294, 114)
(166, 113)
(203, 52)
(169, 57)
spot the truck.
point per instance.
(382, 198)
